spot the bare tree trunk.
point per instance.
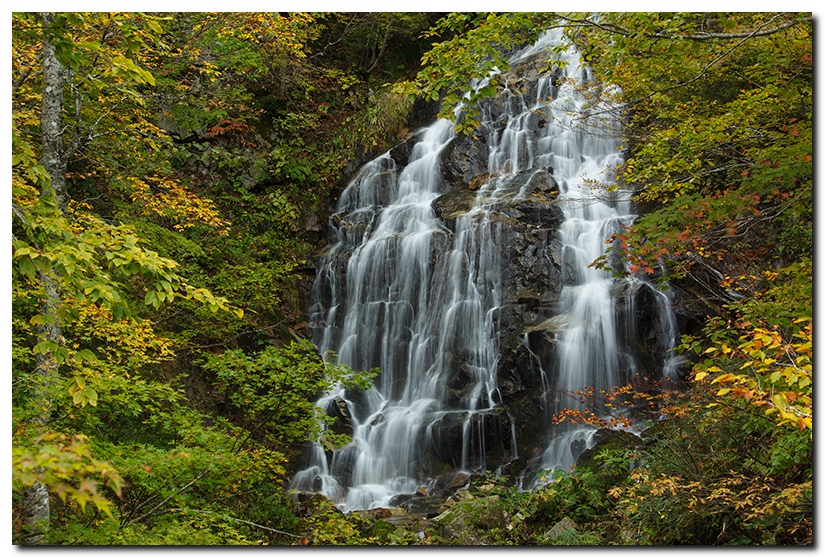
(35, 508)
(382, 50)
(53, 152)
(35, 505)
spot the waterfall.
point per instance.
(420, 296)
(583, 154)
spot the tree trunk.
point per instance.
(35, 505)
(53, 152)
(35, 512)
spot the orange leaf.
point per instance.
(742, 392)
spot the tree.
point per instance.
(63, 256)
(165, 141)
(719, 129)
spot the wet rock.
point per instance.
(359, 401)
(552, 325)
(423, 111)
(446, 434)
(451, 205)
(509, 472)
(401, 152)
(448, 483)
(426, 506)
(399, 500)
(487, 435)
(338, 409)
(463, 160)
(479, 181)
(689, 308)
(430, 466)
(461, 378)
(641, 329)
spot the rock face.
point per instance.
(531, 276)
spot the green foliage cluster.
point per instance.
(719, 128)
(272, 393)
(476, 44)
(383, 118)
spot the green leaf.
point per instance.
(88, 355)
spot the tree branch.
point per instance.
(383, 48)
(731, 36)
(354, 19)
(612, 28)
(22, 79)
(230, 518)
(759, 32)
(151, 512)
(81, 139)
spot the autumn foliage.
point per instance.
(160, 240)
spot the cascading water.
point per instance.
(404, 290)
(583, 153)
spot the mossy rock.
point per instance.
(481, 513)
(607, 440)
(563, 532)
(381, 530)
(469, 522)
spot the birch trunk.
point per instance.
(35, 505)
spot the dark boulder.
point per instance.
(464, 160)
(338, 409)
